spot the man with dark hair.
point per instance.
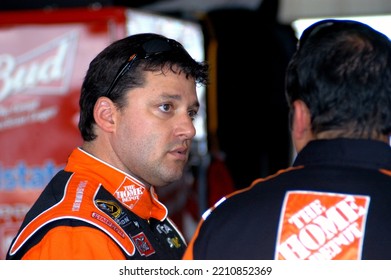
(335, 201)
(137, 106)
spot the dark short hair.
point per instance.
(342, 71)
(120, 55)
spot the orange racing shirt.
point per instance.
(91, 210)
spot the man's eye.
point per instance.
(165, 107)
(193, 114)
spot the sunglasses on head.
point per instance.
(148, 49)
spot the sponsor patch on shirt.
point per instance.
(321, 226)
(143, 245)
(129, 193)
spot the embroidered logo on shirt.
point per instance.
(321, 226)
(163, 228)
(143, 245)
(79, 195)
(108, 223)
(174, 242)
(109, 207)
(114, 210)
(129, 193)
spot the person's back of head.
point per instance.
(342, 72)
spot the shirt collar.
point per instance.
(131, 192)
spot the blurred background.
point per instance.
(242, 131)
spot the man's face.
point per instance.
(154, 131)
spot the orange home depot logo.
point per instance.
(321, 226)
(129, 192)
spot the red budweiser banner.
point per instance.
(42, 66)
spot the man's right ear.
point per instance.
(104, 114)
(301, 129)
